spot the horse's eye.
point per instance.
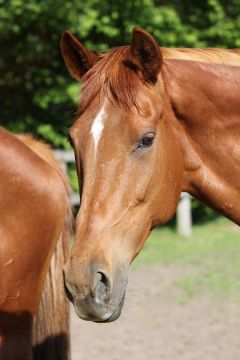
(147, 140)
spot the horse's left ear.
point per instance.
(77, 57)
(146, 55)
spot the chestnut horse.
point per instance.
(152, 122)
(35, 214)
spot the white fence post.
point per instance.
(184, 213)
(67, 157)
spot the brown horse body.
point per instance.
(34, 213)
(148, 127)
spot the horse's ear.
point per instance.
(146, 55)
(77, 57)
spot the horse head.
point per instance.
(129, 167)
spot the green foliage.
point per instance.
(201, 214)
(37, 93)
(73, 176)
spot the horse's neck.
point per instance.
(205, 100)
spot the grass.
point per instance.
(212, 252)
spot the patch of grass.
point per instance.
(213, 251)
(217, 284)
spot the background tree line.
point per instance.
(38, 95)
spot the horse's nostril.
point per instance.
(104, 279)
(101, 291)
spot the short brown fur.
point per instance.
(51, 324)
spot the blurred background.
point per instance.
(184, 294)
(38, 95)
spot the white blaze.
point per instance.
(97, 127)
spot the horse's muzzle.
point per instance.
(96, 297)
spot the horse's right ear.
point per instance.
(145, 54)
(77, 57)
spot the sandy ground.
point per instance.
(157, 325)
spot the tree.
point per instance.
(37, 94)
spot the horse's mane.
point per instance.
(208, 55)
(113, 76)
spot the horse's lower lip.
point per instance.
(95, 317)
(115, 315)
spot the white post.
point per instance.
(184, 215)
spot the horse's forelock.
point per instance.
(113, 77)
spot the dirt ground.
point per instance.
(156, 324)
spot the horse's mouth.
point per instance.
(89, 314)
(115, 315)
